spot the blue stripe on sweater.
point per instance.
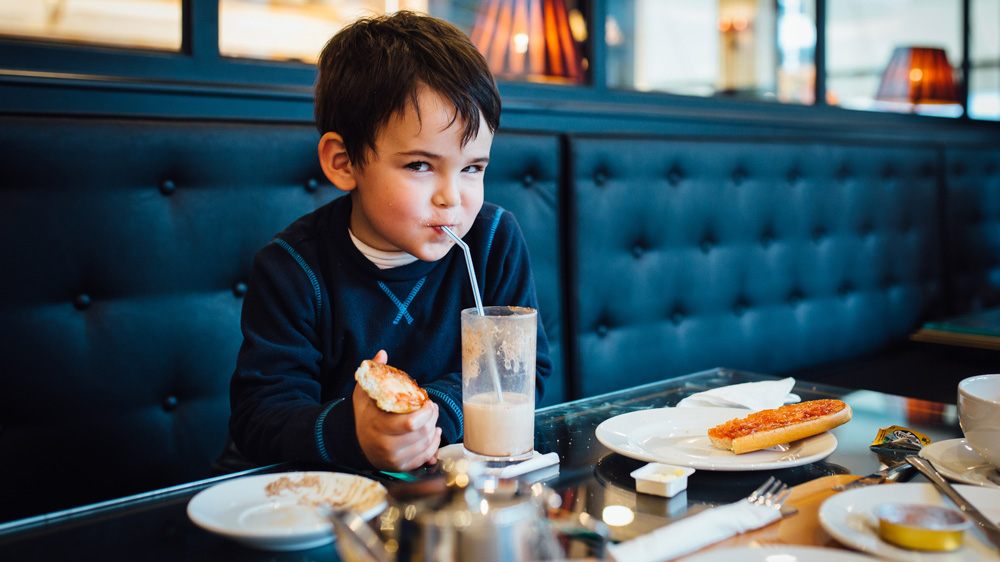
(450, 402)
(305, 267)
(493, 231)
(320, 443)
(403, 306)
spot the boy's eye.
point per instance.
(475, 169)
(418, 166)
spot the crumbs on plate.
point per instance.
(339, 490)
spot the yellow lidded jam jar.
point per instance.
(921, 527)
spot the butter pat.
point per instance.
(921, 527)
(661, 479)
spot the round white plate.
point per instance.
(956, 460)
(680, 436)
(779, 554)
(283, 516)
(848, 518)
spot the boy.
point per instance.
(407, 109)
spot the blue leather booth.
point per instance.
(972, 204)
(766, 256)
(128, 242)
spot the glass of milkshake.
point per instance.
(498, 382)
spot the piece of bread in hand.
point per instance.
(392, 389)
(768, 428)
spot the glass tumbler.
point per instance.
(498, 382)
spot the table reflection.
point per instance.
(591, 479)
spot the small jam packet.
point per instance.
(895, 443)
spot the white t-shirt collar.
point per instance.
(381, 258)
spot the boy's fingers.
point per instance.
(421, 452)
(425, 417)
(423, 421)
(381, 357)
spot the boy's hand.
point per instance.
(397, 442)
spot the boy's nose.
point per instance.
(447, 193)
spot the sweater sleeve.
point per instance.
(275, 394)
(447, 393)
(509, 281)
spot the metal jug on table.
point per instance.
(460, 516)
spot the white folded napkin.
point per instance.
(756, 396)
(534, 463)
(694, 532)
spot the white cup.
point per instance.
(979, 415)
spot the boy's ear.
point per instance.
(335, 163)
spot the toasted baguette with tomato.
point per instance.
(768, 428)
(392, 389)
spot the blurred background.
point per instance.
(782, 51)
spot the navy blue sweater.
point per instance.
(316, 307)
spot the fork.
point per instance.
(705, 527)
(772, 493)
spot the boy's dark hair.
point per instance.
(371, 69)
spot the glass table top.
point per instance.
(590, 478)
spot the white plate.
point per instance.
(779, 554)
(956, 460)
(680, 436)
(848, 518)
(283, 517)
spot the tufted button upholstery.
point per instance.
(740, 308)
(98, 388)
(676, 317)
(82, 301)
(674, 176)
(706, 244)
(843, 173)
(524, 178)
(120, 308)
(973, 208)
(760, 246)
(240, 289)
(170, 403)
(167, 270)
(738, 176)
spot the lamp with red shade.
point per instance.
(529, 40)
(918, 76)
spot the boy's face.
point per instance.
(419, 179)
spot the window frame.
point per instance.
(198, 69)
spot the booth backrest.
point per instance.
(757, 255)
(128, 245)
(973, 236)
(127, 249)
(524, 177)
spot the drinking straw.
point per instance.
(479, 303)
(468, 264)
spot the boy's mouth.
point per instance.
(438, 228)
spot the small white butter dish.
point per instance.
(661, 479)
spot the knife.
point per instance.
(990, 529)
(890, 473)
